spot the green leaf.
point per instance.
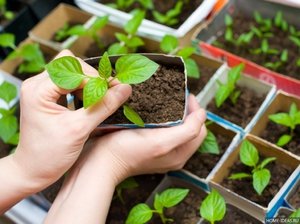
(261, 179)
(283, 140)
(281, 118)
(234, 73)
(210, 144)
(131, 115)
(104, 68)
(186, 52)
(7, 40)
(278, 19)
(8, 91)
(213, 207)
(158, 205)
(266, 161)
(295, 214)
(248, 154)
(228, 20)
(192, 68)
(169, 43)
(9, 126)
(257, 17)
(31, 51)
(100, 22)
(122, 37)
(134, 68)
(94, 90)
(133, 24)
(295, 40)
(229, 34)
(293, 110)
(140, 213)
(172, 196)
(117, 48)
(14, 140)
(128, 183)
(222, 94)
(264, 46)
(78, 30)
(239, 176)
(284, 55)
(66, 72)
(135, 42)
(34, 66)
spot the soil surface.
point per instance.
(164, 6)
(277, 130)
(294, 199)
(279, 175)
(280, 41)
(248, 104)
(5, 149)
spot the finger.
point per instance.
(193, 104)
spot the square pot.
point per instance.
(207, 33)
(292, 198)
(280, 103)
(258, 86)
(44, 31)
(227, 140)
(267, 150)
(148, 28)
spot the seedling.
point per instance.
(294, 32)
(296, 41)
(9, 15)
(125, 4)
(34, 61)
(280, 22)
(209, 144)
(282, 62)
(66, 72)
(128, 183)
(170, 45)
(296, 214)
(80, 30)
(264, 50)
(170, 17)
(261, 35)
(9, 131)
(260, 175)
(228, 31)
(142, 213)
(227, 90)
(129, 42)
(265, 24)
(213, 207)
(290, 120)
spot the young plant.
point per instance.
(125, 4)
(213, 207)
(80, 30)
(264, 50)
(260, 34)
(290, 120)
(170, 45)
(34, 61)
(296, 214)
(9, 131)
(295, 40)
(209, 144)
(170, 17)
(265, 24)
(260, 175)
(66, 72)
(280, 22)
(294, 32)
(9, 15)
(228, 90)
(128, 183)
(142, 213)
(228, 31)
(282, 62)
(129, 42)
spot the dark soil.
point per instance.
(118, 212)
(248, 104)
(5, 149)
(51, 192)
(201, 164)
(277, 131)
(294, 199)
(163, 7)
(279, 175)
(280, 41)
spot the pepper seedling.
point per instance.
(260, 175)
(128, 183)
(213, 207)
(296, 41)
(282, 62)
(7, 14)
(170, 45)
(290, 120)
(66, 72)
(170, 17)
(9, 131)
(34, 61)
(294, 32)
(280, 22)
(264, 50)
(209, 144)
(125, 4)
(295, 214)
(142, 213)
(227, 90)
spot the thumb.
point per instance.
(98, 112)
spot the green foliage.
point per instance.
(280, 22)
(228, 90)
(9, 15)
(170, 45)
(66, 72)
(129, 42)
(170, 17)
(294, 32)
(282, 62)
(209, 144)
(295, 214)
(295, 40)
(128, 183)
(142, 213)
(33, 59)
(125, 4)
(290, 120)
(9, 131)
(264, 50)
(260, 175)
(213, 207)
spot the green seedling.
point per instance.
(295, 40)
(261, 35)
(125, 4)
(282, 62)
(9, 131)
(290, 120)
(170, 17)
(209, 144)
(142, 213)
(228, 31)
(34, 61)
(66, 72)
(227, 90)
(213, 207)
(80, 30)
(9, 15)
(264, 50)
(296, 214)
(280, 22)
(129, 42)
(265, 24)
(294, 32)
(128, 183)
(170, 45)
(260, 175)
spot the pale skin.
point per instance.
(55, 139)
